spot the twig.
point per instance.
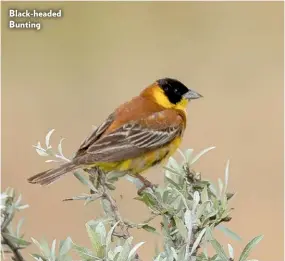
(106, 195)
(96, 175)
(15, 250)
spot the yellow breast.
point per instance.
(144, 162)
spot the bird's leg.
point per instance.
(146, 184)
(93, 177)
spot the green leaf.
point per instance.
(48, 138)
(202, 209)
(204, 194)
(43, 246)
(231, 251)
(229, 232)
(20, 223)
(84, 181)
(65, 246)
(134, 250)
(229, 195)
(199, 155)
(175, 178)
(85, 253)
(21, 207)
(188, 155)
(213, 189)
(197, 241)
(173, 171)
(227, 175)
(95, 238)
(100, 230)
(221, 186)
(219, 250)
(110, 186)
(114, 176)
(109, 237)
(188, 219)
(126, 250)
(16, 240)
(245, 253)
(147, 199)
(174, 164)
(196, 199)
(18, 200)
(182, 197)
(52, 252)
(40, 151)
(181, 227)
(59, 147)
(149, 228)
(174, 253)
(38, 257)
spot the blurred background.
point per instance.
(73, 72)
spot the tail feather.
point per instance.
(49, 176)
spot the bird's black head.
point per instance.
(176, 90)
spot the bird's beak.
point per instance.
(190, 95)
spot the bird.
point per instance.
(141, 133)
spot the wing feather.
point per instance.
(134, 138)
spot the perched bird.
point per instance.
(138, 135)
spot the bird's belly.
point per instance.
(137, 165)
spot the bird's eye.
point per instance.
(175, 91)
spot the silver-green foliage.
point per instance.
(189, 207)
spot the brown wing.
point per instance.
(135, 138)
(127, 112)
(95, 135)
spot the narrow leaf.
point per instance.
(245, 253)
(204, 194)
(65, 246)
(174, 164)
(100, 230)
(59, 147)
(84, 253)
(188, 219)
(174, 253)
(126, 250)
(21, 207)
(229, 232)
(49, 161)
(231, 251)
(148, 228)
(52, 252)
(181, 227)
(220, 182)
(182, 155)
(196, 200)
(199, 155)
(227, 175)
(38, 257)
(20, 223)
(95, 238)
(16, 240)
(219, 250)
(41, 151)
(188, 155)
(84, 181)
(197, 241)
(48, 138)
(109, 237)
(134, 250)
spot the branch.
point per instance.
(15, 250)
